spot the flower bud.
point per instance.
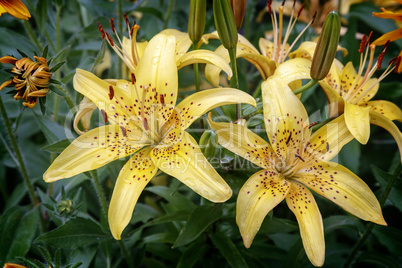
(196, 19)
(327, 45)
(238, 8)
(65, 207)
(208, 143)
(225, 23)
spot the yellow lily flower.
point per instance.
(145, 124)
(294, 161)
(15, 8)
(350, 92)
(272, 54)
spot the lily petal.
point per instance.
(183, 41)
(391, 36)
(98, 91)
(293, 70)
(186, 162)
(259, 195)
(284, 114)
(84, 115)
(92, 150)
(357, 120)
(388, 125)
(301, 202)
(242, 141)
(157, 83)
(201, 102)
(204, 56)
(344, 188)
(387, 109)
(132, 179)
(327, 141)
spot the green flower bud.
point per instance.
(196, 19)
(239, 8)
(225, 23)
(327, 45)
(65, 207)
(208, 143)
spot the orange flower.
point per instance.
(15, 8)
(31, 78)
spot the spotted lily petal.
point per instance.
(326, 142)
(301, 202)
(199, 103)
(157, 82)
(387, 109)
(98, 91)
(93, 150)
(344, 188)
(285, 116)
(388, 125)
(186, 162)
(204, 56)
(357, 120)
(242, 141)
(259, 195)
(133, 178)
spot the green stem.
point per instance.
(32, 35)
(309, 85)
(321, 124)
(196, 73)
(234, 81)
(21, 163)
(339, 7)
(125, 253)
(169, 12)
(17, 151)
(100, 193)
(371, 225)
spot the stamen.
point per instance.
(363, 44)
(124, 131)
(146, 126)
(112, 25)
(101, 30)
(104, 115)
(369, 38)
(397, 63)
(300, 10)
(290, 136)
(314, 16)
(269, 3)
(126, 20)
(133, 79)
(109, 39)
(382, 54)
(312, 124)
(111, 92)
(279, 47)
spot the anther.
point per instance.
(382, 54)
(363, 44)
(290, 136)
(369, 38)
(101, 30)
(124, 131)
(283, 2)
(104, 115)
(146, 126)
(314, 16)
(300, 10)
(269, 3)
(111, 92)
(126, 20)
(133, 79)
(299, 157)
(112, 25)
(312, 125)
(397, 64)
(110, 39)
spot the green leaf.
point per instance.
(57, 147)
(57, 66)
(45, 51)
(42, 104)
(396, 192)
(390, 238)
(200, 219)
(75, 233)
(192, 254)
(256, 120)
(41, 14)
(56, 89)
(22, 237)
(152, 11)
(57, 258)
(53, 131)
(160, 238)
(99, 56)
(228, 250)
(376, 259)
(175, 198)
(333, 223)
(46, 255)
